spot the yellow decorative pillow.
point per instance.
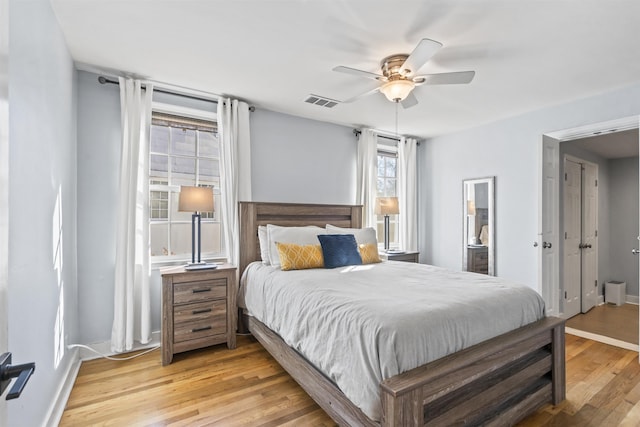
(299, 257)
(369, 253)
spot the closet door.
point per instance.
(572, 237)
(589, 237)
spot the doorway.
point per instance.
(580, 244)
(617, 213)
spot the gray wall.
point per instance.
(508, 149)
(301, 160)
(98, 166)
(623, 198)
(42, 292)
(293, 160)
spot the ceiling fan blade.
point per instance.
(457, 77)
(409, 101)
(425, 49)
(360, 73)
(362, 95)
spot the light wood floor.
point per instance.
(246, 387)
(618, 322)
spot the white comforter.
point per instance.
(362, 324)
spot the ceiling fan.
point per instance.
(399, 77)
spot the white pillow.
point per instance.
(362, 235)
(264, 244)
(298, 235)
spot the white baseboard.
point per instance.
(602, 339)
(629, 299)
(104, 348)
(54, 414)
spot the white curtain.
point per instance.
(131, 312)
(235, 168)
(367, 175)
(407, 194)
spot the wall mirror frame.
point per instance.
(478, 237)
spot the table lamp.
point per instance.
(196, 200)
(386, 206)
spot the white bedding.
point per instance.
(362, 324)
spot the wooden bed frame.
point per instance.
(497, 382)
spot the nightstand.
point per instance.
(404, 256)
(198, 309)
(478, 259)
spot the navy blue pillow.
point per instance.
(339, 250)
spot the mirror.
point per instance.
(478, 237)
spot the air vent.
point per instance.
(321, 101)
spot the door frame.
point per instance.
(552, 287)
(4, 187)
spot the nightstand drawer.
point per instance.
(199, 311)
(216, 325)
(184, 293)
(482, 256)
(202, 329)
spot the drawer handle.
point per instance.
(199, 291)
(206, 328)
(206, 310)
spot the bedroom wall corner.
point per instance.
(98, 176)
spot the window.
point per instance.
(387, 186)
(183, 150)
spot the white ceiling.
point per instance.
(527, 54)
(616, 145)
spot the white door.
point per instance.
(549, 223)
(589, 236)
(4, 183)
(572, 237)
(635, 250)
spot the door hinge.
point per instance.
(565, 294)
(565, 235)
(596, 182)
(596, 233)
(565, 176)
(596, 284)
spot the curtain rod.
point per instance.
(103, 80)
(357, 133)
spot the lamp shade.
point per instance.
(397, 90)
(387, 206)
(195, 199)
(471, 207)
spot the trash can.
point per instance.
(615, 292)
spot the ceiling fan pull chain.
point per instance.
(397, 102)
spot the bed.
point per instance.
(495, 382)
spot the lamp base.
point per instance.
(394, 251)
(200, 266)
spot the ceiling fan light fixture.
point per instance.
(397, 90)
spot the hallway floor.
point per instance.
(617, 322)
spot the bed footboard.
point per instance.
(499, 381)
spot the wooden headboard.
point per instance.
(254, 214)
